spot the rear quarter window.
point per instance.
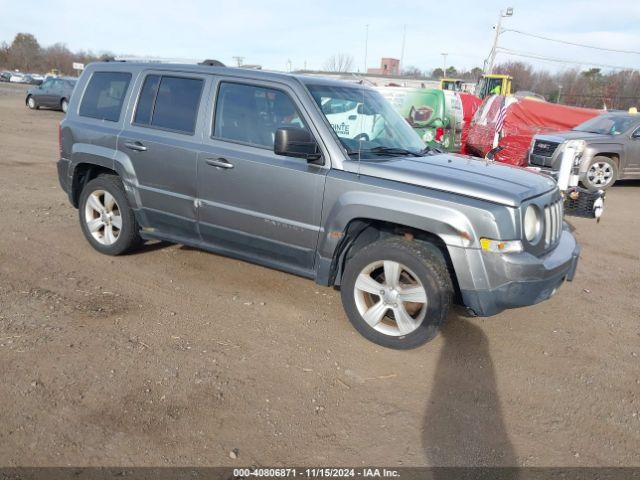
(104, 95)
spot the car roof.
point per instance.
(247, 73)
(621, 113)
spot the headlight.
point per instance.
(532, 223)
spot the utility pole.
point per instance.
(559, 93)
(444, 64)
(492, 56)
(404, 37)
(366, 45)
(238, 60)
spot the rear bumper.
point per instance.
(523, 279)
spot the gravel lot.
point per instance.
(173, 356)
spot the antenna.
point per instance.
(366, 45)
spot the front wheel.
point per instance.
(601, 173)
(31, 103)
(64, 104)
(396, 292)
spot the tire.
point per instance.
(420, 265)
(104, 231)
(32, 104)
(64, 105)
(601, 174)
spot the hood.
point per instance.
(574, 135)
(462, 175)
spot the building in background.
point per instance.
(388, 66)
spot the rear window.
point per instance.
(104, 95)
(169, 103)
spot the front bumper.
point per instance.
(522, 279)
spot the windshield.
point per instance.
(366, 124)
(607, 125)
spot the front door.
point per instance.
(632, 152)
(43, 95)
(254, 203)
(161, 139)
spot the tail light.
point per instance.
(60, 139)
(439, 134)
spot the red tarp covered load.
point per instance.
(522, 119)
(470, 105)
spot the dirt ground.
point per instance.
(173, 356)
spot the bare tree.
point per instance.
(26, 54)
(412, 71)
(341, 62)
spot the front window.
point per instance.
(251, 114)
(365, 123)
(607, 125)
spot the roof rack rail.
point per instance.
(212, 63)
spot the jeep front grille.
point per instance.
(544, 148)
(552, 223)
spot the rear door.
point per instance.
(254, 203)
(161, 138)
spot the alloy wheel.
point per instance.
(102, 215)
(600, 174)
(390, 298)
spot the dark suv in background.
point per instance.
(53, 93)
(608, 149)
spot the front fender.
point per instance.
(604, 149)
(448, 223)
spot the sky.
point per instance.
(272, 33)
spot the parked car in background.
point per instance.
(16, 77)
(246, 163)
(31, 79)
(608, 149)
(53, 93)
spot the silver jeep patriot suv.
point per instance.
(247, 163)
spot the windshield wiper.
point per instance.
(393, 151)
(431, 150)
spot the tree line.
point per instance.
(590, 88)
(25, 54)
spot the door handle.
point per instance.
(219, 162)
(137, 146)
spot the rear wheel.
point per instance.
(106, 218)
(601, 173)
(397, 293)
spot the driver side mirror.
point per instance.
(296, 142)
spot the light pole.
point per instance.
(559, 93)
(492, 56)
(444, 64)
(404, 36)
